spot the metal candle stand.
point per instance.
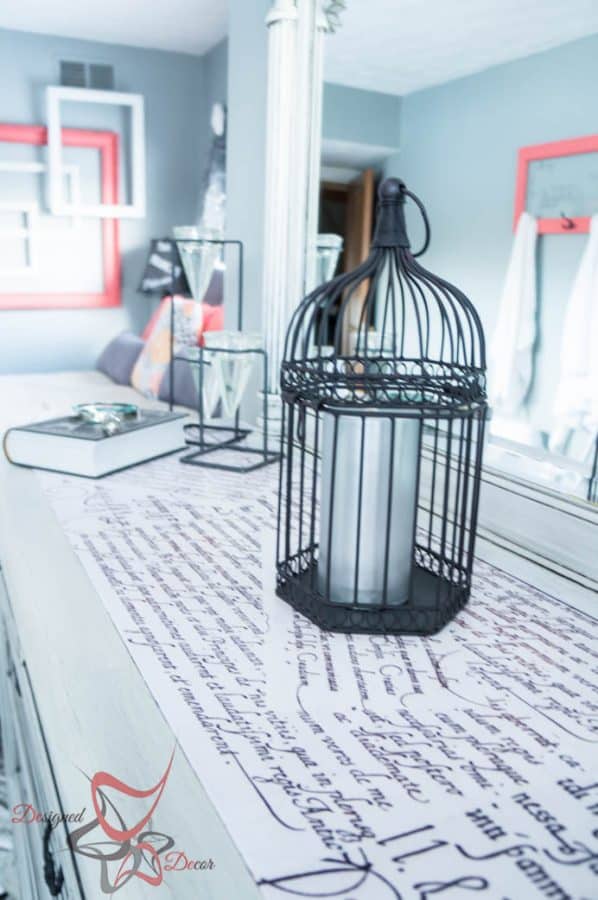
(235, 432)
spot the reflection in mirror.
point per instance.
(497, 135)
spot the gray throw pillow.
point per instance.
(119, 357)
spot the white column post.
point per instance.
(282, 39)
(298, 186)
(315, 147)
(296, 30)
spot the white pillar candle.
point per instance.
(387, 473)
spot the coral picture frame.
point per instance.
(106, 142)
(536, 152)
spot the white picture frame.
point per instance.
(71, 172)
(28, 232)
(55, 96)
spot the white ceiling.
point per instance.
(395, 46)
(189, 26)
(399, 46)
(349, 153)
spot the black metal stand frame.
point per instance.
(235, 432)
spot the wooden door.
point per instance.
(358, 236)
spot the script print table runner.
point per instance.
(356, 767)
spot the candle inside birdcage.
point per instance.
(367, 521)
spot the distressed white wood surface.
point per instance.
(97, 711)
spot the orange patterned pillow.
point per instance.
(154, 358)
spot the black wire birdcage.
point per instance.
(384, 404)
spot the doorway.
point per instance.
(347, 209)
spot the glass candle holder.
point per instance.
(357, 564)
(197, 256)
(328, 251)
(231, 371)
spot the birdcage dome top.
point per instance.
(389, 333)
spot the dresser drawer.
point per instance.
(45, 864)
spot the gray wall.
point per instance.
(215, 88)
(246, 146)
(178, 89)
(362, 117)
(458, 152)
(216, 72)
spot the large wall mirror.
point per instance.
(492, 124)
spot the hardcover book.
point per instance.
(71, 445)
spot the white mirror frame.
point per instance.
(555, 530)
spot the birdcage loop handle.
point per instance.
(426, 221)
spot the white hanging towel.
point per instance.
(510, 357)
(576, 398)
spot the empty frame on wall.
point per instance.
(70, 172)
(106, 142)
(558, 184)
(55, 96)
(25, 230)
